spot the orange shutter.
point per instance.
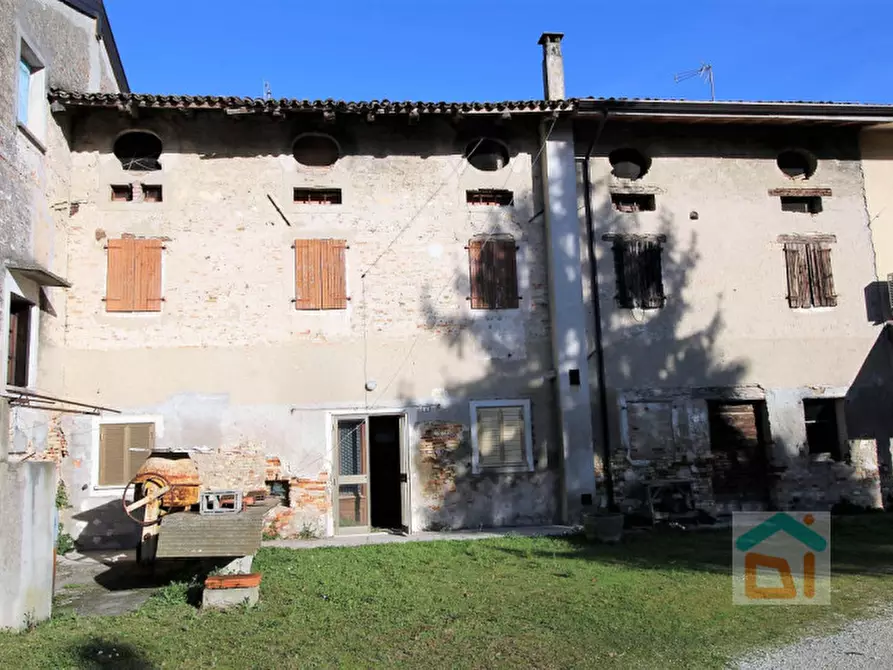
(320, 274)
(147, 276)
(334, 290)
(476, 275)
(493, 272)
(119, 281)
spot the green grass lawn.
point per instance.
(657, 600)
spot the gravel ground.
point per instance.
(862, 644)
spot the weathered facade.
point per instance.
(443, 315)
(731, 388)
(43, 44)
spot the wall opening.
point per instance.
(122, 193)
(490, 196)
(633, 202)
(487, 155)
(796, 164)
(138, 150)
(803, 204)
(738, 444)
(384, 471)
(19, 349)
(628, 163)
(822, 427)
(152, 193)
(316, 150)
(317, 196)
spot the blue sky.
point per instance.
(487, 50)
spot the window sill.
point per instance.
(27, 132)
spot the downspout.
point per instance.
(597, 317)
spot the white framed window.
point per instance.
(31, 95)
(121, 444)
(501, 437)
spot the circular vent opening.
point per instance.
(487, 155)
(316, 150)
(138, 150)
(628, 164)
(796, 164)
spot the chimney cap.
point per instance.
(550, 37)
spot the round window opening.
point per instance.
(487, 155)
(628, 164)
(138, 150)
(316, 150)
(796, 164)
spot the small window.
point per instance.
(822, 429)
(494, 273)
(31, 104)
(796, 164)
(152, 193)
(490, 196)
(639, 272)
(808, 204)
(633, 202)
(810, 280)
(138, 150)
(628, 163)
(122, 193)
(123, 448)
(487, 154)
(316, 150)
(133, 281)
(318, 196)
(501, 436)
(19, 344)
(320, 282)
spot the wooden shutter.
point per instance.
(113, 455)
(119, 294)
(821, 279)
(622, 259)
(650, 274)
(797, 274)
(334, 290)
(147, 275)
(501, 439)
(512, 436)
(140, 442)
(320, 274)
(493, 270)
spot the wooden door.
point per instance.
(738, 448)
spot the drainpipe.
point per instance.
(597, 316)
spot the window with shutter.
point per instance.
(501, 436)
(133, 279)
(639, 272)
(809, 277)
(320, 281)
(493, 272)
(123, 447)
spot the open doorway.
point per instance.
(372, 482)
(384, 471)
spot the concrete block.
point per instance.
(224, 598)
(238, 566)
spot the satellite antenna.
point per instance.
(268, 92)
(705, 72)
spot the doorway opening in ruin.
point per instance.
(739, 433)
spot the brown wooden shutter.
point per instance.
(493, 271)
(308, 283)
(320, 281)
(119, 294)
(650, 275)
(797, 274)
(821, 278)
(113, 455)
(147, 276)
(334, 289)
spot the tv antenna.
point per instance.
(268, 92)
(705, 72)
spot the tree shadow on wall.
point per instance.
(663, 349)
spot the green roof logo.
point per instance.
(782, 522)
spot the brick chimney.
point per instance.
(553, 66)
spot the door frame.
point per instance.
(405, 440)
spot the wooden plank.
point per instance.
(119, 295)
(475, 274)
(147, 275)
(190, 534)
(233, 581)
(308, 289)
(334, 292)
